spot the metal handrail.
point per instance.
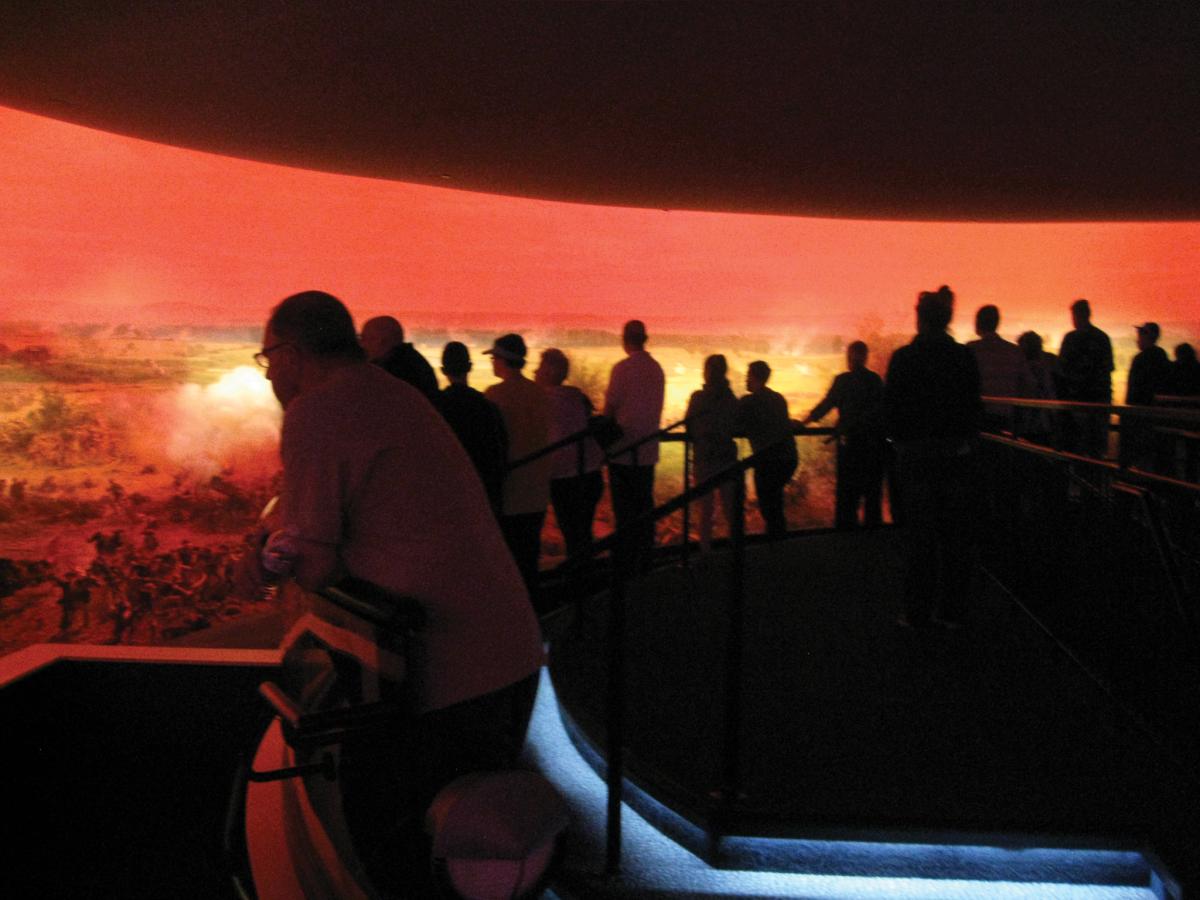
(390, 612)
(1162, 509)
(661, 434)
(614, 757)
(1126, 473)
(593, 427)
(573, 438)
(1170, 414)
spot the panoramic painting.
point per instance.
(139, 440)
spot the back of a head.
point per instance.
(456, 358)
(1031, 344)
(1185, 353)
(857, 354)
(715, 369)
(317, 323)
(556, 365)
(935, 309)
(987, 319)
(380, 335)
(634, 334)
(1081, 311)
(760, 370)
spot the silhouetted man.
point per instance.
(1085, 365)
(1150, 371)
(527, 423)
(1185, 372)
(858, 397)
(764, 419)
(376, 486)
(383, 340)
(1003, 371)
(1037, 425)
(576, 483)
(634, 400)
(1149, 376)
(932, 410)
(475, 420)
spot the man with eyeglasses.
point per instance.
(377, 487)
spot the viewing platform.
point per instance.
(857, 729)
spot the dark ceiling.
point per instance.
(957, 109)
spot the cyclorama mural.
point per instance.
(135, 463)
(132, 468)
(139, 442)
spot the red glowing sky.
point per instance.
(97, 227)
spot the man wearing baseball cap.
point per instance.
(526, 415)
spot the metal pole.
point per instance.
(687, 507)
(735, 608)
(616, 707)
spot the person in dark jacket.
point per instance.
(1150, 371)
(1185, 372)
(763, 418)
(858, 397)
(383, 340)
(1085, 366)
(1038, 425)
(475, 420)
(1149, 376)
(932, 412)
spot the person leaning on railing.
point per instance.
(763, 418)
(527, 423)
(1149, 376)
(377, 487)
(857, 394)
(1037, 425)
(576, 482)
(712, 422)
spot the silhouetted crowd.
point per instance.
(503, 428)
(914, 428)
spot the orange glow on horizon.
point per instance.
(98, 227)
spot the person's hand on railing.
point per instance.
(279, 553)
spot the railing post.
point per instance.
(616, 707)
(734, 608)
(687, 507)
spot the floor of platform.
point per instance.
(853, 724)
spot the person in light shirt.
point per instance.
(576, 482)
(523, 406)
(377, 487)
(1003, 371)
(634, 400)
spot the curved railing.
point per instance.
(621, 573)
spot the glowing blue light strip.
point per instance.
(653, 863)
